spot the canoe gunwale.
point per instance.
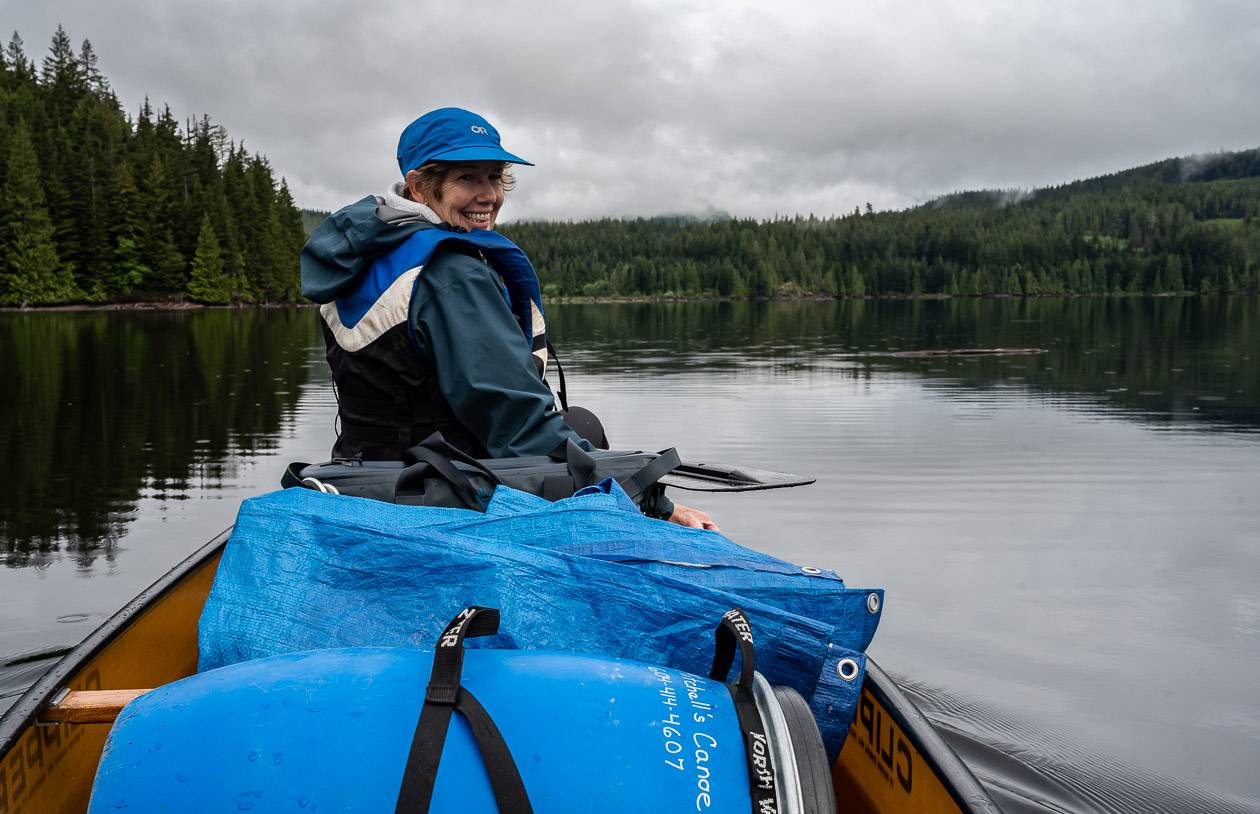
(961, 783)
(18, 718)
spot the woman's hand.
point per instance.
(692, 518)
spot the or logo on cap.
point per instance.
(450, 134)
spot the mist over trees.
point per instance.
(99, 206)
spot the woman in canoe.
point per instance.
(433, 321)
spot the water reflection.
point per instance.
(1162, 360)
(99, 409)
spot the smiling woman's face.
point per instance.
(471, 195)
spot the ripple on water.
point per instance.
(1026, 769)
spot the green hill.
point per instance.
(1175, 226)
(1223, 166)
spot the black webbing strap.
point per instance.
(293, 476)
(434, 454)
(505, 780)
(564, 395)
(666, 461)
(580, 471)
(411, 480)
(734, 631)
(442, 697)
(581, 465)
(437, 443)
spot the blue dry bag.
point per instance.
(509, 731)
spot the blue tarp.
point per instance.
(589, 574)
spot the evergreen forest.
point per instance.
(97, 206)
(1176, 226)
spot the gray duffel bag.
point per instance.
(434, 473)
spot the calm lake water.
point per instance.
(1070, 539)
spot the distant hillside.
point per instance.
(1176, 226)
(1224, 166)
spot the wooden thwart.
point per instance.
(88, 706)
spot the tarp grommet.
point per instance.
(872, 602)
(811, 570)
(847, 669)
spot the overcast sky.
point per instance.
(641, 108)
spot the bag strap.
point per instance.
(581, 465)
(442, 698)
(640, 482)
(434, 454)
(293, 476)
(564, 393)
(732, 632)
(583, 470)
(436, 443)
(580, 471)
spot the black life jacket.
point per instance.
(388, 394)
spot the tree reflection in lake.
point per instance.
(99, 408)
(1162, 359)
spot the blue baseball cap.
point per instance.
(450, 134)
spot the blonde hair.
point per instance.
(433, 177)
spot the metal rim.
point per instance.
(313, 483)
(788, 782)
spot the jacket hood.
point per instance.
(345, 244)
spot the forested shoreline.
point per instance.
(1177, 226)
(99, 207)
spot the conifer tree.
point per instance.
(90, 75)
(856, 285)
(1172, 279)
(30, 270)
(208, 282)
(15, 55)
(158, 248)
(285, 239)
(62, 77)
(127, 268)
(1014, 285)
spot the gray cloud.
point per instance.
(637, 108)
